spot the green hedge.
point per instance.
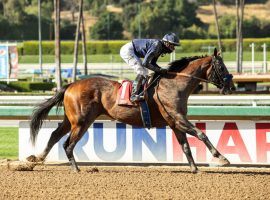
(113, 47)
(227, 44)
(25, 86)
(67, 47)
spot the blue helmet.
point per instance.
(172, 39)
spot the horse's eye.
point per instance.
(221, 67)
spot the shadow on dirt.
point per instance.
(217, 171)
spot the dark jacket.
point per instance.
(150, 50)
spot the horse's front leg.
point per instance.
(182, 139)
(215, 153)
(194, 131)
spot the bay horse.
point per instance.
(86, 99)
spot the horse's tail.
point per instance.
(41, 112)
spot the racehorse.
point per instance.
(86, 99)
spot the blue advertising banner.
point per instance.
(4, 62)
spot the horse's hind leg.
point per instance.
(79, 126)
(56, 135)
(76, 134)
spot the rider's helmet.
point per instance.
(172, 39)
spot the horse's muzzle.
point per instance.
(228, 87)
(233, 88)
(227, 90)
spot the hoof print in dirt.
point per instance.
(93, 170)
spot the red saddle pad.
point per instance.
(124, 93)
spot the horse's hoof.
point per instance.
(34, 159)
(76, 170)
(31, 158)
(223, 162)
(194, 170)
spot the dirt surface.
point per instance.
(155, 182)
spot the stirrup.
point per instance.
(136, 98)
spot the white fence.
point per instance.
(247, 100)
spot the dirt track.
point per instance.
(58, 182)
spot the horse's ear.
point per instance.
(215, 52)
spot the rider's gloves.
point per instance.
(162, 71)
(156, 68)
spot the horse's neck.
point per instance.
(184, 83)
(193, 70)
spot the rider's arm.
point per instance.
(151, 57)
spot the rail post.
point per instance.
(172, 56)
(264, 46)
(252, 45)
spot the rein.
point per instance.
(152, 82)
(177, 74)
(215, 71)
(190, 76)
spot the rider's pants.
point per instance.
(128, 55)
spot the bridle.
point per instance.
(215, 76)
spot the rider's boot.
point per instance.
(137, 83)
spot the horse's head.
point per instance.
(219, 75)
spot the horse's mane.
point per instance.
(179, 65)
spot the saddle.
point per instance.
(123, 99)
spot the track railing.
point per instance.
(218, 100)
(231, 107)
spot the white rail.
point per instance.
(22, 100)
(250, 100)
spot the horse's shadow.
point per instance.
(217, 171)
